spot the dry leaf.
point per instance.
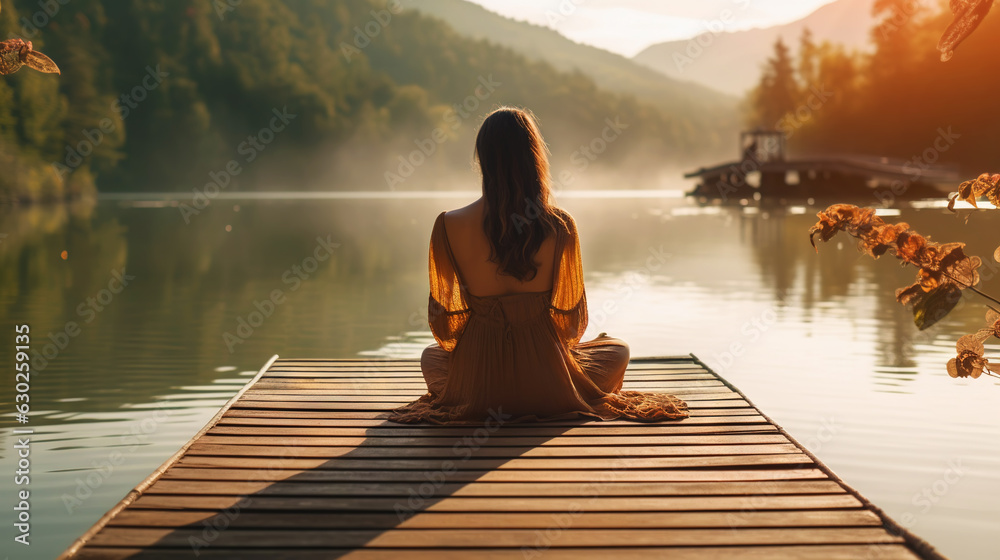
(970, 191)
(944, 270)
(42, 63)
(970, 361)
(968, 15)
(935, 305)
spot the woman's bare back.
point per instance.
(471, 248)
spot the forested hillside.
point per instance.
(704, 106)
(156, 95)
(900, 101)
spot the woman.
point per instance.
(507, 304)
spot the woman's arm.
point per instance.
(447, 312)
(569, 298)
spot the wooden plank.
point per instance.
(286, 404)
(376, 418)
(414, 369)
(518, 520)
(251, 474)
(414, 372)
(300, 428)
(407, 395)
(635, 364)
(362, 378)
(797, 460)
(504, 504)
(491, 440)
(403, 377)
(400, 399)
(332, 453)
(341, 375)
(487, 538)
(813, 552)
(683, 358)
(300, 384)
(428, 488)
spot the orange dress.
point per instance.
(519, 357)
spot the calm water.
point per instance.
(817, 341)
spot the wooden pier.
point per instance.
(301, 464)
(762, 159)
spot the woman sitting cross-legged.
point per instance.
(507, 303)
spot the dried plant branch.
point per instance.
(944, 270)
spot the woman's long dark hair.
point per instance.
(514, 163)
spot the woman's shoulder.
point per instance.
(564, 220)
(466, 214)
(459, 224)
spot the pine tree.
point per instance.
(777, 94)
(808, 59)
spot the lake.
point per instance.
(166, 331)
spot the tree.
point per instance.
(778, 93)
(808, 59)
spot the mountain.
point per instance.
(732, 61)
(309, 94)
(609, 71)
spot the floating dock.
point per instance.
(763, 170)
(823, 177)
(301, 464)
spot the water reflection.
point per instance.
(816, 331)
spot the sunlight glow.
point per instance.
(629, 26)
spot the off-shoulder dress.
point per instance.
(518, 357)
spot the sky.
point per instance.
(628, 26)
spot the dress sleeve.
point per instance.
(447, 310)
(569, 299)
